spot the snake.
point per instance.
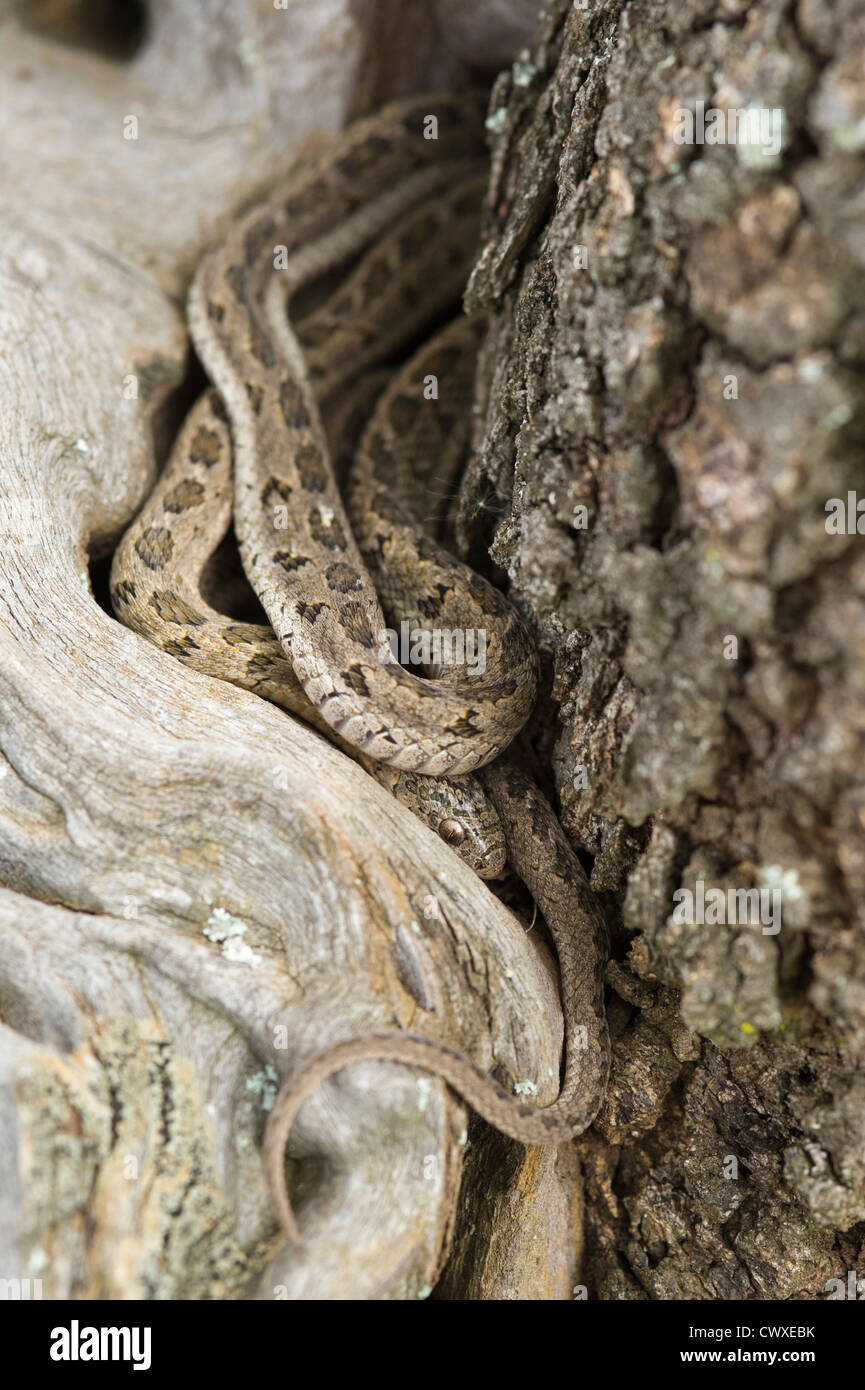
(312, 582)
(161, 581)
(540, 853)
(254, 448)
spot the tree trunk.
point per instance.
(674, 394)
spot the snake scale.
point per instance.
(312, 582)
(386, 201)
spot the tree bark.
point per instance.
(674, 391)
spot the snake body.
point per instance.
(313, 584)
(326, 660)
(541, 855)
(159, 581)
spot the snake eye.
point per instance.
(452, 832)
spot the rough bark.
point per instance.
(729, 1161)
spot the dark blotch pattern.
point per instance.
(122, 593)
(309, 613)
(290, 562)
(427, 607)
(327, 531)
(294, 408)
(172, 609)
(418, 235)
(261, 667)
(388, 507)
(275, 491)
(342, 579)
(293, 209)
(184, 495)
(464, 727)
(387, 466)
(155, 547)
(357, 625)
(355, 680)
(453, 253)
(181, 647)
(241, 634)
(205, 447)
(312, 468)
(468, 204)
(259, 343)
(413, 124)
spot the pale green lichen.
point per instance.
(265, 1085)
(784, 881)
(229, 931)
(524, 74)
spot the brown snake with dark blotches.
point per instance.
(541, 855)
(312, 582)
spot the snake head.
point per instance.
(459, 811)
(480, 845)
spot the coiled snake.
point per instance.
(260, 438)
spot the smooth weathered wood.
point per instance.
(198, 889)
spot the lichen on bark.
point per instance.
(672, 391)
